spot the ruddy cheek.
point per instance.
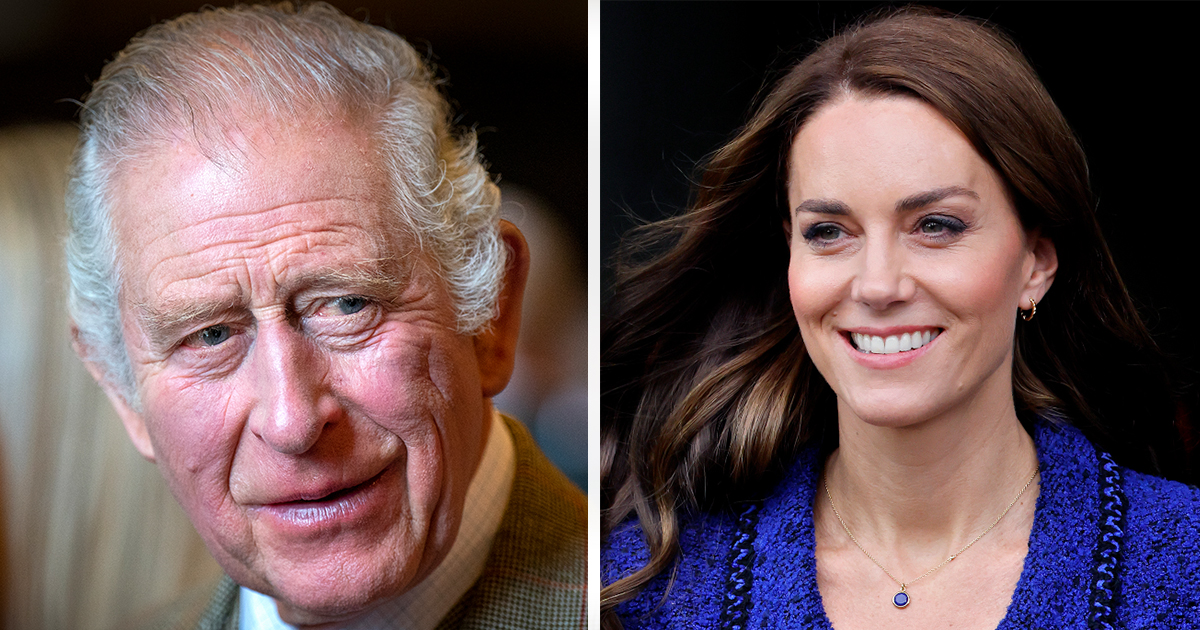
(797, 291)
(990, 293)
(815, 295)
(389, 384)
(199, 478)
(196, 441)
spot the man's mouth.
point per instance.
(892, 344)
(318, 497)
(313, 511)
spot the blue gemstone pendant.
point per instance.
(900, 600)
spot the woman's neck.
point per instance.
(932, 486)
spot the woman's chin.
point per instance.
(888, 415)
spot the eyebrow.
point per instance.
(930, 197)
(165, 324)
(372, 278)
(823, 206)
(907, 204)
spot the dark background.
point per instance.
(517, 71)
(679, 78)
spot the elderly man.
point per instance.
(288, 275)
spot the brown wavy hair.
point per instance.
(707, 389)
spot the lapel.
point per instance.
(536, 573)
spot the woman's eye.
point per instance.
(211, 336)
(932, 227)
(823, 233)
(941, 226)
(350, 304)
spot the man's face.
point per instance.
(304, 391)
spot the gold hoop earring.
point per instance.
(1028, 315)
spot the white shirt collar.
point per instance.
(424, 605)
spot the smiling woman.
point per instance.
(913, 405)
(895, 216)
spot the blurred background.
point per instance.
(89, 536)
(679, 78)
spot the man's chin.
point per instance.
(316, 619)
(327, 582)
(322, 602)
(327, 605)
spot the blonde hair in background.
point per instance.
(92, 535)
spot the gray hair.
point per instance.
(195, 73)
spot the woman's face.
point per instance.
(908, 262)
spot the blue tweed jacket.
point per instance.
(1110, 548)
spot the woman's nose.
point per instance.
(883, 277)
(292, 402)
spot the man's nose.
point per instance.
(293, 403)
(883, 277)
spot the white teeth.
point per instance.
(892, 344)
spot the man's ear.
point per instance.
(496, 347)
(1045, 265)
(135, 425)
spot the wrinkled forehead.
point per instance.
(270, 178)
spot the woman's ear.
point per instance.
(1045, 265)
(496, 347)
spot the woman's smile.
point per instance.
(889, 349)
(893, 343)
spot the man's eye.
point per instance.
(212, 336)
(342, 321)
(350, 304)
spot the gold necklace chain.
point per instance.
(900, 600)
